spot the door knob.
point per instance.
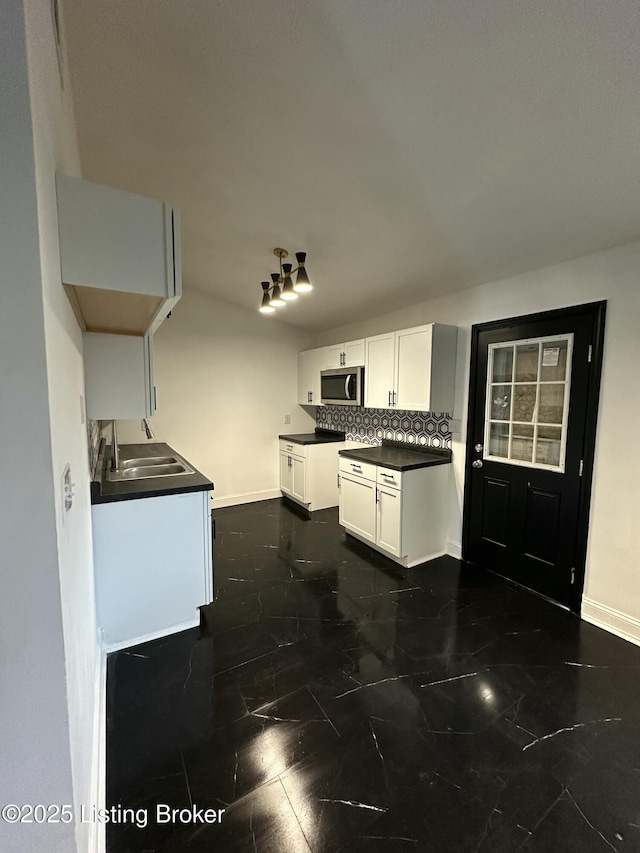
(477, 463)
(478, 448)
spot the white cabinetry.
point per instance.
(292, 476)
(412, 369)
(309, 473)
(350, 354)
(400, 514)
(118, 376)
(153, 565)
(310, 363)
(119, 256)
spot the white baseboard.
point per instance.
(155, 635)
(454, 549)
(97, 837)
(614, 621)
(245, 498)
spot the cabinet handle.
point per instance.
(338, 480)
(311, 396)
(394, 397)
(356, 467)
(214, 528)
(389, 399)
(377, 498)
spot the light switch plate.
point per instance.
(287, 419)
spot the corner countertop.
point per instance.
(106, 491)
(399, 456)
(320, 436)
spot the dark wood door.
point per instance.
(530, 441)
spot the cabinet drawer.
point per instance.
(358, 469)
(293, 448)
(389, 477)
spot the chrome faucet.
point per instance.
(115, 453)
(145, 426)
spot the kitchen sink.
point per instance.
(144, 469)
(146, 461)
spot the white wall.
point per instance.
(612, 588)
(55, 147)
(34, 726)
(226, 377)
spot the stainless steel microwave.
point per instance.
(343, 386)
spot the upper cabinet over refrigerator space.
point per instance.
(119, 257)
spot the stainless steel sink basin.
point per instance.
(154, 466)
(147, 461)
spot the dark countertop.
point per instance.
(398, 456)
(320, 436)
(106, 491)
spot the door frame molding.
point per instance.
(597, 310)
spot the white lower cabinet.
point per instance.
(292, 476)
(153, 565)
(401, 514)
(309, 473)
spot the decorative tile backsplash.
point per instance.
(94, 434)
(372, 425)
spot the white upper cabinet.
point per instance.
(119, 256)
(118, 376)
(379, 371)
(412, 369)
(350, 354)
(310, 363)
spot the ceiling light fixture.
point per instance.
(282, 289)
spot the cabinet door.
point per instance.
(118, 375)
(298, 487)
(114, 240)
(286, 474)
(413, 368)
(379, 371)
(354, 353)
(310, 363)
(334, 356)
(358, 506)
(389, 518)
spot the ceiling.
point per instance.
(411, 147)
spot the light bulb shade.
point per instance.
(288, 293)
(266, 307)
(276, 299)
(302, 285)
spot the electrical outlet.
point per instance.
(287, 419)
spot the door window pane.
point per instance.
(524, 402)
(499, 440)
(551, 404)
(527, 362)
(502, 364)
(522, 443)
(527, 399)
(548, 445)
(554, 361)
(501, 402)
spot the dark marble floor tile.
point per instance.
(331, 701)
